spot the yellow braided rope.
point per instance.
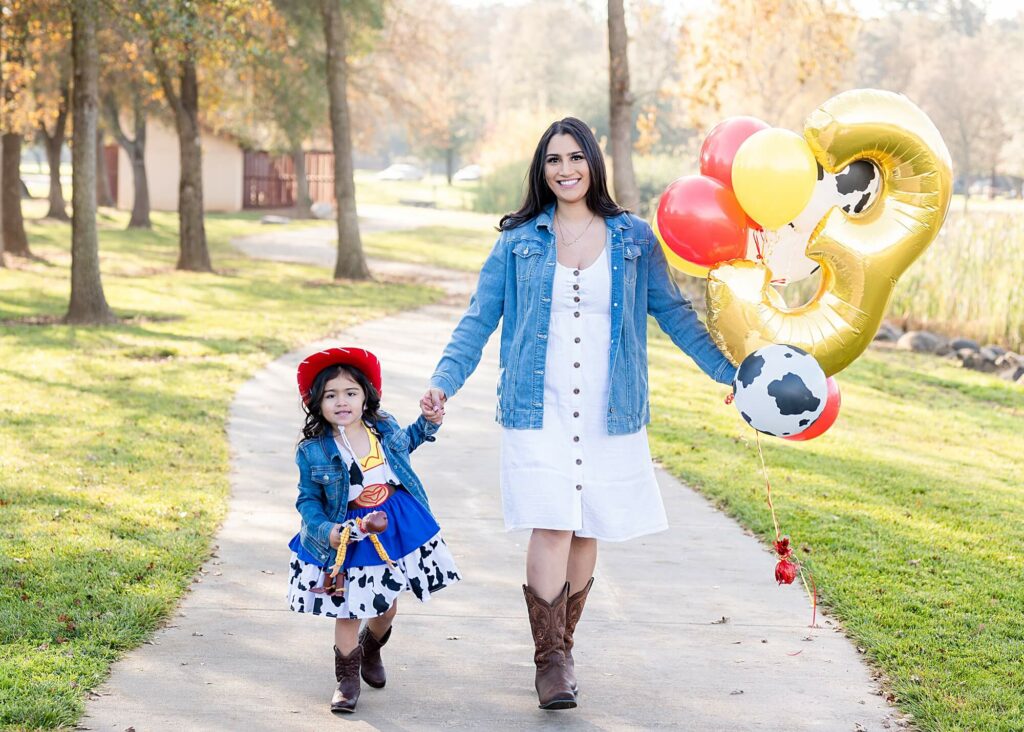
(342, 548)
(380, 550)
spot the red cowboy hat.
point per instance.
(359, 358)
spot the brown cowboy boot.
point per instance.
(547, 621)
(346, 671)
(373, 667)
(573, 611)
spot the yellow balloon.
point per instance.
(861, 255)
(694, 270)
(773, 176)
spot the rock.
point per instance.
(997, 350)
(888, 332)
(991, 352)
(978, 362)
(1014, 374)
(1010, 359)
(965, 353)
(272, 219)
(960, 343)
(920, 341)
(945, 350)
(322, 210)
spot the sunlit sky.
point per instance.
(866, 8)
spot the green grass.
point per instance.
(442, 246)
(433, 190)
(968, 282)
(910, 506)
(114, 469)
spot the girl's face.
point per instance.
(343, 401)
(566, 170)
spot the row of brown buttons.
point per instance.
(577, 365)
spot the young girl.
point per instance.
(353, 467)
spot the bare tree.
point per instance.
(88, 303)
(54, 143)
(135, 147)
(351, 263)
(621, 108)
(174, 31)
(13, 32)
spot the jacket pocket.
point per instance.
(526, 255)
(331, 481)
(397, 441)
(630, 261)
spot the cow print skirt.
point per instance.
(371, 585)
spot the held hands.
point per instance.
(432, 405)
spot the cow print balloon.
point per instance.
(853, 189)
(780, 390)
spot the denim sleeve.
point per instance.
(462, 354)
(421, 431)
(310, 503)
(676, 317)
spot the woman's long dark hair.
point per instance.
(315, 424)
(539, 195)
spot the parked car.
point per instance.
(401, 171)
(470, 172)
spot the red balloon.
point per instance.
(827, 417)
(701, 221)
(720, 146)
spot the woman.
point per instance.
(572, 277)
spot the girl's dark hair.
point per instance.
(539, 195)
(315, 424)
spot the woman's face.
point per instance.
(566, 170)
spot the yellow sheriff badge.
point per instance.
(861, 255)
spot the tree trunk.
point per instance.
(88, 304)
(302, 199)
(351, 263)
(140, 204)
(54, 144)
(104, 195)
(449, 163)
(621, 108)
(15, 240)
(58, 206)
(193, 253)
(136, 150)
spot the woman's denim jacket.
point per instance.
(515, 285)
(323, 479)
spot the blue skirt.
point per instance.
(410, 526)
(423, 565)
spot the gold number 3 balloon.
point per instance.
(861, 255)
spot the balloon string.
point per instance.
(812, 590)
(767, 483)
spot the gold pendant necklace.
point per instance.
(561, 225)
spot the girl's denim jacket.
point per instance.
(324, 484)
(515, 285)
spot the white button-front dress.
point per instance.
(572, 474)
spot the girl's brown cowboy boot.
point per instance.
(373, 667)
(346, 671)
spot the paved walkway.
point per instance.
(684, 630)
